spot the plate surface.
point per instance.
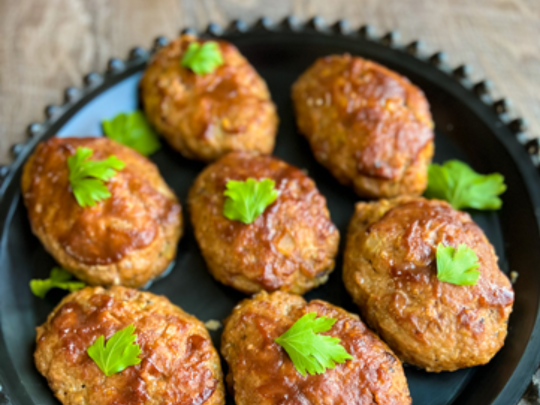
(467, 128)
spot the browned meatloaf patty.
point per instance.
(391, 272)
(291, 246)
(366, 124)
(261, 373)
(179, 364)
(206, 116)
(127, 239)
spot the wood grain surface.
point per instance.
(48, 45)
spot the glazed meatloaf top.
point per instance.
(179, 364)
(129, 220)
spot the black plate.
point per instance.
(469, 127)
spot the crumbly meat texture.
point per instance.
(206, 116)
(179, 364)
(261, 372)
(127, 239)
(390, 270)
(366, 124)
(291, 246)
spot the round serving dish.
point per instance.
(469, 126)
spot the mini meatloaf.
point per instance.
(127, 239)
(390, 270)
(291, 246)
(179, 364)
(366, 124)
(206, 116)
(261, 372)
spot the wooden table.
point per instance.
(48, 45)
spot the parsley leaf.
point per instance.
(248, 199)
(309, 351)
(132, 130)
(462, 187)
(202, 59)
(119, 353)
(88, 177)
(59, 278)
(457, 266)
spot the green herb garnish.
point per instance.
(134, 131)
(248, 199)
(88, 177)
(119, 353)
(309, 351)
(59, 278)
(462, 187)
(202, 59)
(457, 266)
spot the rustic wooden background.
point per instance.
(47, 45)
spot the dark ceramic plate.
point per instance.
(469, 127)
